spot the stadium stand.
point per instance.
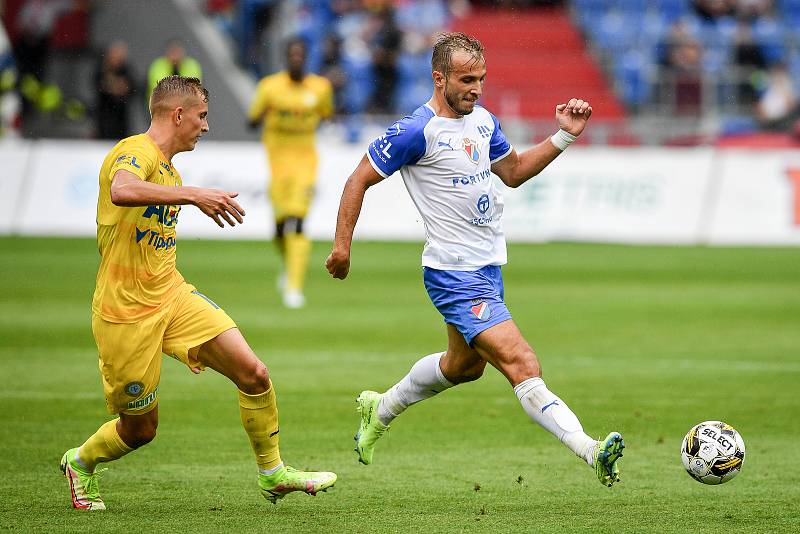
(649, 46)
(658, 71)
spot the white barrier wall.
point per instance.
(624, 195)
(14, 158)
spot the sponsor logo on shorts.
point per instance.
(481, 310)
(134, 389)
(144, 401)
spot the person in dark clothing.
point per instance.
(385, 44)
(115, 86)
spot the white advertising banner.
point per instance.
(60, 195)
(622, 195)
(242, 167)
(14, 157)
(757, 198)
(62, 184)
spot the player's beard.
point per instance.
(454, 101)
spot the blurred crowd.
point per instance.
(375, 52)
(740, 58)
(737, 58)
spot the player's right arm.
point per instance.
(365, 176)
(402, 144)
(129, 190)
(259, 106)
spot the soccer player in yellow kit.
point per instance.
(290, 104)
(142, 306)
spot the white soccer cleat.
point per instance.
(293, 299)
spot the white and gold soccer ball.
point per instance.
(712, 452)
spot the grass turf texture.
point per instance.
(647, 341)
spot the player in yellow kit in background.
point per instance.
(290, 105)
(142, 306)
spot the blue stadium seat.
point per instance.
(614, 33)
(771, 37)
(671, 9)
(414, 82)
(631, 71)
(358, 90)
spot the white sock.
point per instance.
(272, 471)
(554, 415)
(423, 381)
(78, 459)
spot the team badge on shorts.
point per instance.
(481, 310)
(134, 389)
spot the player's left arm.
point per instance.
(516, 169)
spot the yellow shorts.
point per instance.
(293, 175)
(130, 353)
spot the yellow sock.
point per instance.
(103, 446)
(298, 249)
(260, 420)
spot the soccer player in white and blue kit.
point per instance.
(446, 152)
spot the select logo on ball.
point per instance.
(712, 452)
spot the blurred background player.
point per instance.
(115, 84)
(143, 307)
(446, 151)
(290, 104)
(174, 62)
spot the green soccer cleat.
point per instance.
(370, 428)
(606, 454)
(83, 486)
(289, 479)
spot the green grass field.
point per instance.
(644, 340)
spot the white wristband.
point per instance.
(561, 139)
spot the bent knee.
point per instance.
(525, 365)
(143, 438)
(469, 374)
(138, 435)
(254, 380)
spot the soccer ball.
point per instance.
(712, 452)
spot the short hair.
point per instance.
(295, 40)
(448, 42)
(175, 86)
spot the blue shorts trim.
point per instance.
(472, 301)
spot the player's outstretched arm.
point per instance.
(365, 176)
(128, 190)
(516, 169)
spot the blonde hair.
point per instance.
(171, 86)
(448, 42)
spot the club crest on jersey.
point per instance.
(471, 148)
(481, 310)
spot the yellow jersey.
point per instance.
(137, 246)
(291, 110)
